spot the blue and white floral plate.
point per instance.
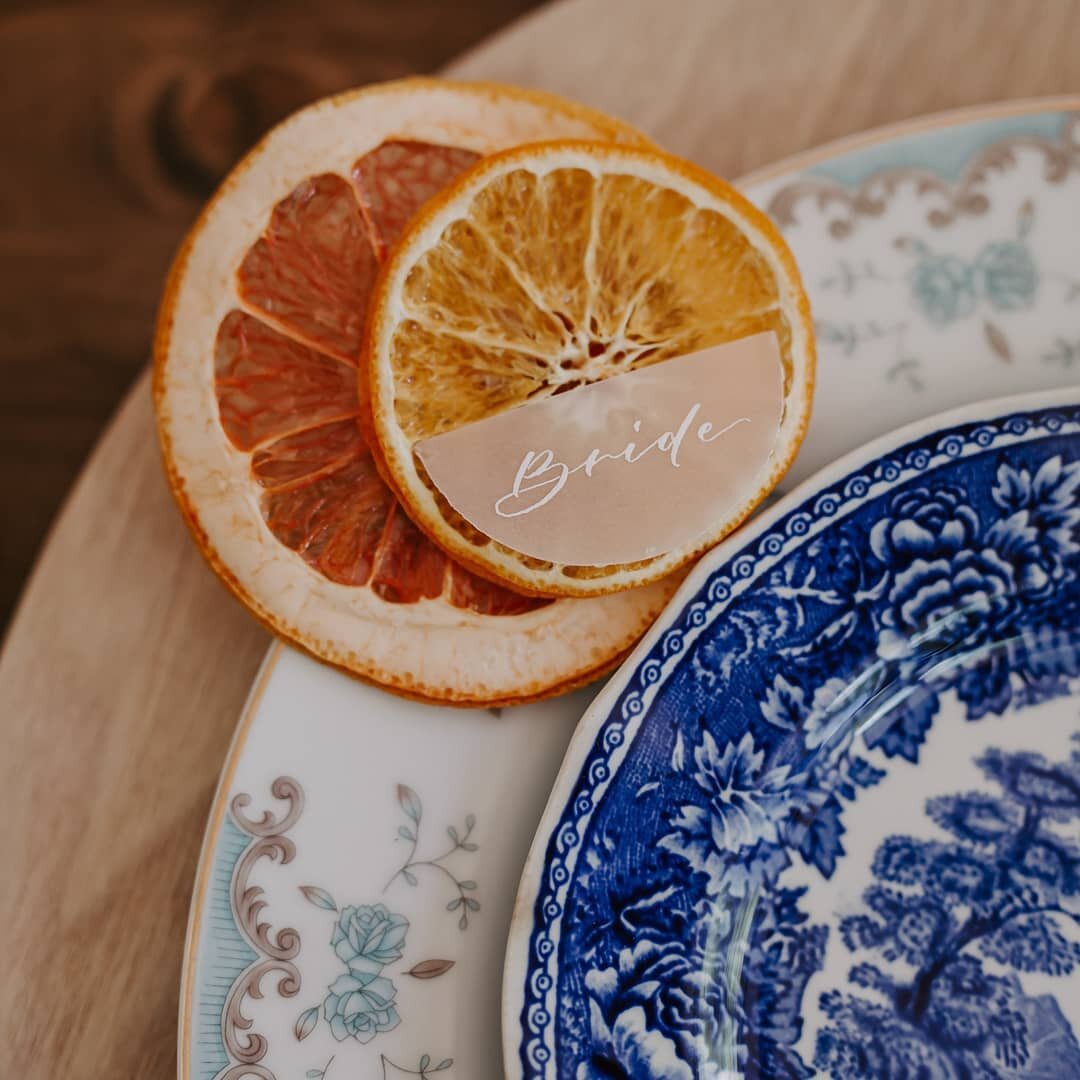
(937, 256)
(826, 820)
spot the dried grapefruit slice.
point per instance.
(557, 265)
(257, 399)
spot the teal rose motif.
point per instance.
(367, 938)
(360, 1008)
(943, 288)
(1006, 275)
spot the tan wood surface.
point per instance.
(127, 664)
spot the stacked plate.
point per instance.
(825, 820)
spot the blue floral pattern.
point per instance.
(945, 287)
(665, 943)
(361, 1003)
(732, 837)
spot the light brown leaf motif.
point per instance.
(430, 969)
(998, 342)
(305, 1023)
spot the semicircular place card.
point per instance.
(623, 469)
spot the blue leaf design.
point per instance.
(784, 705)
(985, 689)
(678, 754)
(820, 844)
(410, 802)
(305, 1023)
(903, 731)
(319, 897)
(1012, 490)
(863, 773)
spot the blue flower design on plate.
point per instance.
(946, 288)
(361, 1008)
(943, 287)
(361, 1003)
(367, 937)
(671, 932)
(732, 837)
(1005, 273)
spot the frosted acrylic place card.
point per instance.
(623, 469)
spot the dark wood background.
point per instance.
(118, 121)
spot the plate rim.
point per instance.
(789, 164)
(515, 962)
(898, 129)
(214, 819)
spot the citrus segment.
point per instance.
(554, 266)
(395, 179)
(447, 367)
(335, 522)
(307, 455)
(313, 268)
(411, 568)
(485, 597)
(537, 225)
(466, 287)
(256, 389)
(268, 384)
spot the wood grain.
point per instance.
(127, 664)
(118, 122)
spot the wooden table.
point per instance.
(127, 663)
(118, 121)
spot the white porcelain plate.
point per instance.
(360, 865)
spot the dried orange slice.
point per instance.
(557, 265)
(257, 399)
